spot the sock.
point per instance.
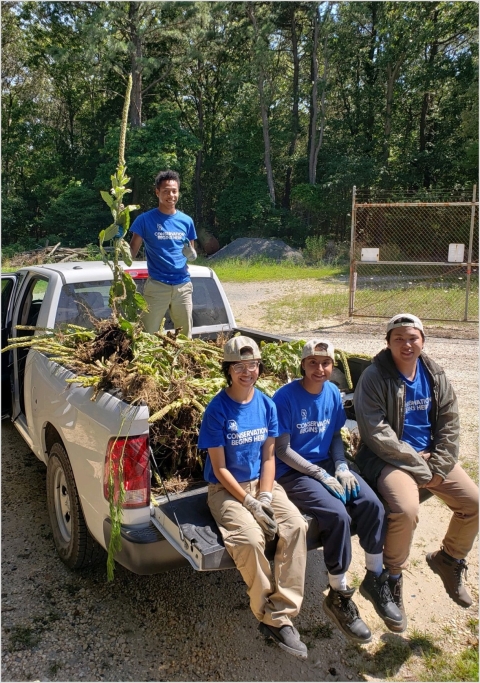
(337, 581)
(395, 576)
(374, 562)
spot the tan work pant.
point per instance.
(175, 298)
(400, 491)
(274, 599)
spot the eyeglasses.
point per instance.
(241, 367)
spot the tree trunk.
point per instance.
(392, 75)
(425, 132)
(314, 143)
(263, 108)
(295, 121)
(313, 101)
(371, 77)
(136, 67)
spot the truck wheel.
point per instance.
(73, 541)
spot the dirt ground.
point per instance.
(187, 626)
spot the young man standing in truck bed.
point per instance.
(169, 236)
(408, 420)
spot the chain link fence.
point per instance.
(412, 255)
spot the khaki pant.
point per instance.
(274, 599)
(175, 298)
(400, 492)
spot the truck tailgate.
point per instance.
(186, 522)
(184, 519)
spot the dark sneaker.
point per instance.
(450, 571)
(396, 589)
(377, 590)
(340, 607)
(287, 637)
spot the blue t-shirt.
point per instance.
(242, 429)
(164, 236)
(417, 427)
(310, 419)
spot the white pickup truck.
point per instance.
(72, 434)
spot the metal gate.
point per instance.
(414, 256)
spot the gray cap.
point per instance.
(326, 349)
(404, 320)
(241, 348)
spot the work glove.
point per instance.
(265, 497)
(348, 480)
(331, 484)
(188, 250)
(264, 515)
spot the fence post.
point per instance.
(470, 245)
(353, 269)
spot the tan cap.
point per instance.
(241, 348)
(326, 349)
(404, 320)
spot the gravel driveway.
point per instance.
(185, 626)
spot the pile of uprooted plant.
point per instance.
(174, 376)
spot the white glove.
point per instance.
(189, 251)
(264, 515)
(265, 497)
(347, 479)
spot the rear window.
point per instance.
(81, 303)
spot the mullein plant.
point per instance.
(125, 302)
(124, 299)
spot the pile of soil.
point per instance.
(253, 247)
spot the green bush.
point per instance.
(76, 216)
(315, 247)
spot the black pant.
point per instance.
(334, 518)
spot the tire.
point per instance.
(74, 544)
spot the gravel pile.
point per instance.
(249, 248)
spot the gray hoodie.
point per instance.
(380, 411)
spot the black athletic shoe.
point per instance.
(396, 589)
(340, 607)
(287, 637)
(377, 590)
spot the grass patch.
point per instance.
(263, 270)
(321, 630)
(308, 307)
(448, 667)
(472, 624)
(471, 468)
(355, 580)
(54, 668)
(428, 303)
(23, 638)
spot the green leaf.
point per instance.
(140, 301)
(107, 197)
(110, 232)
(125, 251)
(125, 325)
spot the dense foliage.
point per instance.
(270, 111)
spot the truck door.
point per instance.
(8, 290)
(27, 310)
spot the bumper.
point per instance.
(144, 549)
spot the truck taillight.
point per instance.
(136, 470)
